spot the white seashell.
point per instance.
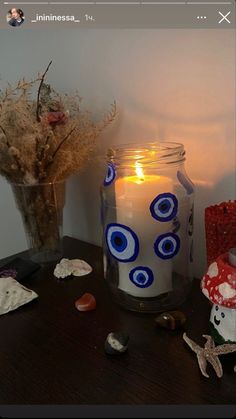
(76, 267)
(80, 267)
(63, 269)
(13, 295)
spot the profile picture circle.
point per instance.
(15, 17)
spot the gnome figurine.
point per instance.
(219, 286)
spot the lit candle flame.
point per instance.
(139, 172)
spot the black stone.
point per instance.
(121, 339)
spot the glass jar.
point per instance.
(147, 217)
(41, 208)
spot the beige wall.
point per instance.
(174, 85)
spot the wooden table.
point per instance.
(52, 354)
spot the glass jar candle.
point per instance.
(147, 217)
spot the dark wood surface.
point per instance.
(52, 354)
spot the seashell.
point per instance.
(80, 267)
(13, 295)
(171, 320)
(68, 267)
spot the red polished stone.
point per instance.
(86, 303)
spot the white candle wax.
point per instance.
(134, 196)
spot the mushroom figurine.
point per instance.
(219, 286)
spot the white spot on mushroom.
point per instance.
(205, 292)
(216, 297)
(208, 282)
(220, 300)
(226, 290)
(229, 277)
(213, 270)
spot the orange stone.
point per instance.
(86, 303)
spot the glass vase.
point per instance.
(41, 208)
(147, 218)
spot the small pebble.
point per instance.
(116, 343)
(171, 320)
(86, 303)
(235, 368)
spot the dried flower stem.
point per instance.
(62, 142)
(39, 90)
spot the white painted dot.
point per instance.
(213, 270)
(227, 291)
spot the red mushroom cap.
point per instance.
(219, 283)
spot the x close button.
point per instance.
(224, 17)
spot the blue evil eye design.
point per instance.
(122, 242)
(185, 182)
(167, 245)
(164, 207)
(111, 174)
(141, 276)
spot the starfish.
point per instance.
(209, 353)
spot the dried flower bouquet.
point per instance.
(45, 137)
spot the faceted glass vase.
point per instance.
(41, 208)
